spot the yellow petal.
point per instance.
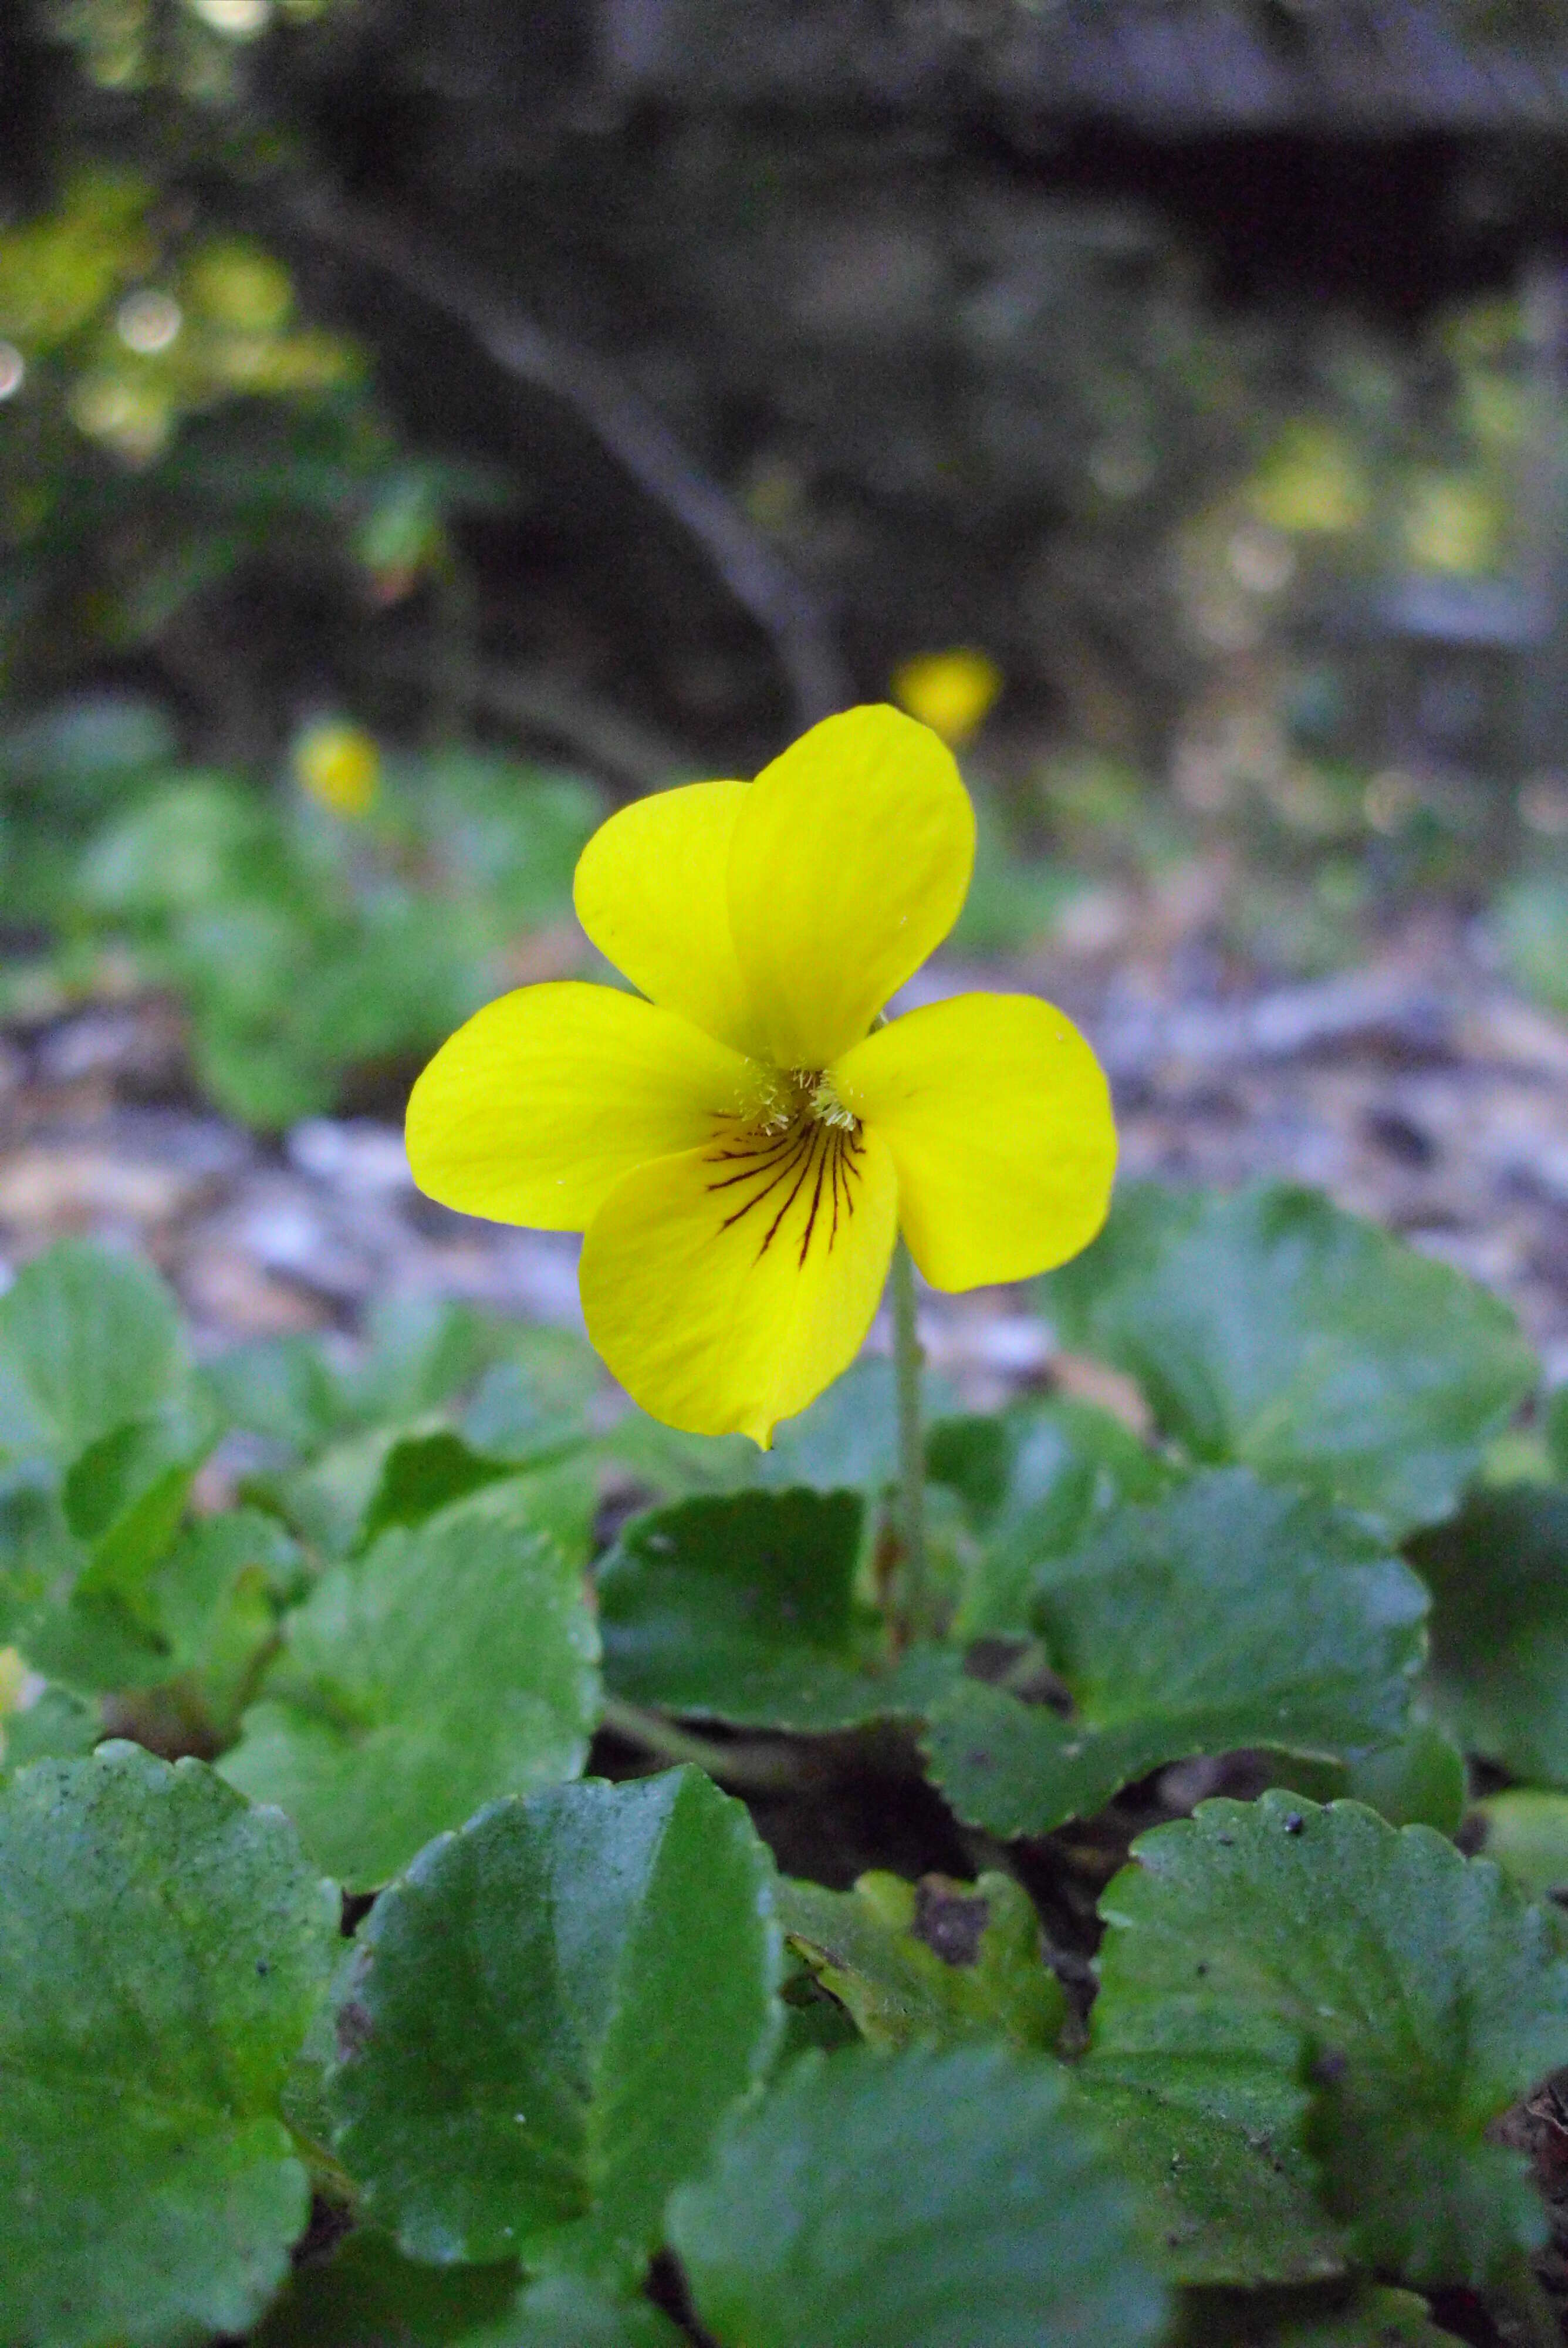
(851, 859)
(998, 1118)
(651, 891)
(726, 1292)
(533, 1110)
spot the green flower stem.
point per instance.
(758, 1767)
(915, 1580)
(328, 2177)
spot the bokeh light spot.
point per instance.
(241, 20)
(147, 322)
(1261, 559)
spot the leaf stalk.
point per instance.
(756, 1767)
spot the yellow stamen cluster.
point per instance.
(789, 1097)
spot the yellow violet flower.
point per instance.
(742, 1143)
(339, 765)
(952, 692)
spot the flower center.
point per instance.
(794, 1154)
(794, 1096)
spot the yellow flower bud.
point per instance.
(949, 692)
(339, 765)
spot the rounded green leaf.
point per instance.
(215, 1598)
(567, 2311)
(422, 1352)
(162, 1948)
(78, 748)
(552, 2012)
(1269, 1327)
(742, 1607)
(124, 1497)
(847, 1440)
(936, 1959)
(1257, 1946)
(848, 1437)
(80, 1601)
(448, 1664)
(1230, 1614)
(1221, 2163)
(1418, 1780)
(1525, 1832)
(1034, 1482)
(423, 1474)
(1499, 1579)
(324, 1502)
(535, 1401)
(55, 1725)
(913, 2200)
(281, 1387)
(88, 1340)
(179, 850)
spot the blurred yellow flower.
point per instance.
(742, 1143)
(1312, 482)
(949, 692)
(339, 765)
(12, 1681)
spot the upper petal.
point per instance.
(533, 1110)
(998, 1118)
(725, 1292)
(652, 892)
(850, 860)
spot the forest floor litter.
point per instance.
(1416, 1089)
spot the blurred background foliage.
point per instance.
(401, 403)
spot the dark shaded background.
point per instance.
(961, 308)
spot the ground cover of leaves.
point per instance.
(477, 1867)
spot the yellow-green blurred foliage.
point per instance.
(124, 327)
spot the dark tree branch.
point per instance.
(543, 704)
(629, 426)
